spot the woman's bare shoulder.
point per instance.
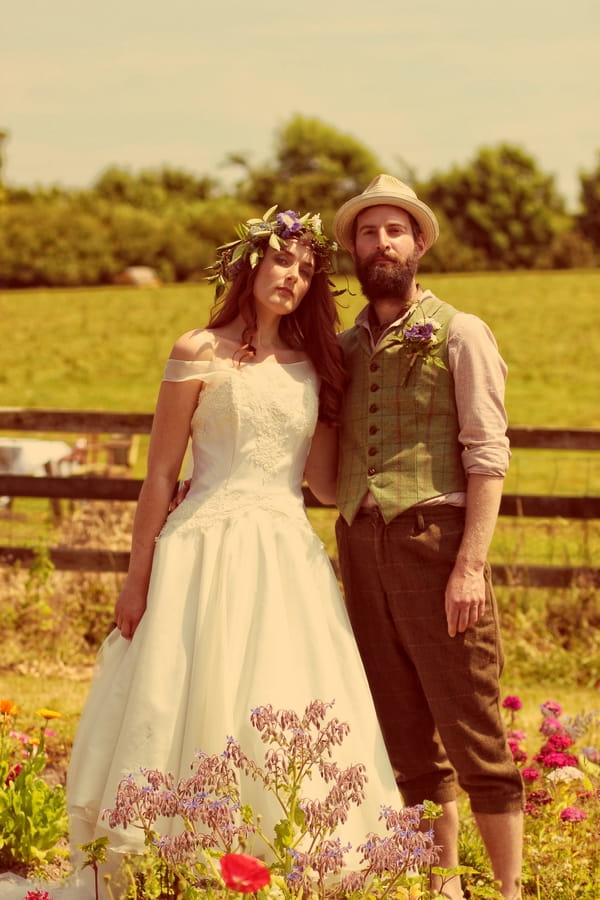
(198, 344)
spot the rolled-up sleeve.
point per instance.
(479, 374)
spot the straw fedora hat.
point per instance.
(385, 190)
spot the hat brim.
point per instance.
(346, 214)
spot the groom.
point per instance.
(423, 454)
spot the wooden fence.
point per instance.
(94, 487)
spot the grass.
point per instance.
(105, 348)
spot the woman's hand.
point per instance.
(129, 609)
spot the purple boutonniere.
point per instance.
(420, 340)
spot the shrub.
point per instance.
(32, 813)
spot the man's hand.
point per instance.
(465, 600)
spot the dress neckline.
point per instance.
(272, 360)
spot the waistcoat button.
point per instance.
(371, 470)
(374, 387)
(372, 451)
(373, 408)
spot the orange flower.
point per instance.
(8, 708)
(48, 713)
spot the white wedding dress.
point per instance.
(243, 611)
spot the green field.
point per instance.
(104, 348)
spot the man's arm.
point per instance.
(465, 591)
(321, 466)
(479, 375)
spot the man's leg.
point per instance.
(446, 837)
(459, 677)
(502, 834)
(421, 766)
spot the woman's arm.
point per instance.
(168, 442)
(321, 465)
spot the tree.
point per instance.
(500, 205)
(589, 218)
(152, 189)
(315, 168)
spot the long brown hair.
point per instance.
(311, 327)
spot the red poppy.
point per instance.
(244, 873)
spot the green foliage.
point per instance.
(589, 218)
(501, 205)
(151, 189)
(32, 813)
(568, 250)
(54, 243)
(315, 169)
(551, 636)
(496, 212)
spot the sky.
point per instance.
(184, 83)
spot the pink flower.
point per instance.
(13, 774)
(518, 755)
(573, 814)
(558, 742)
(512, 703)
(37, 895)
(553, 759)
(550, 725)
(539, 798)
(530, 774)
(551, 708)
(516, 735)
(244, 873)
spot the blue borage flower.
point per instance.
(255, 235)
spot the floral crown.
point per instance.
(272, 230)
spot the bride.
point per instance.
(230, 602)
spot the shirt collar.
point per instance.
(363, 321)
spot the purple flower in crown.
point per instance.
(289, 224)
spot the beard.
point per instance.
(394, 279)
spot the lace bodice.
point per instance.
(251, 434)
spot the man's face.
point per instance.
(385, 252)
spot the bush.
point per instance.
(32, 813)
(53, 243)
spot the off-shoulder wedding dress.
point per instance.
(243, 611)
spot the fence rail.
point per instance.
(86, 487)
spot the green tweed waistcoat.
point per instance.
(399, 435)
